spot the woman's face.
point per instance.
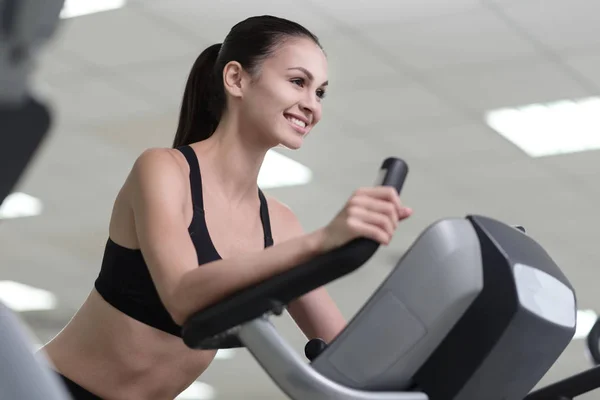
(284, 103)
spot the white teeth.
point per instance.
(296, 121)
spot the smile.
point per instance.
(299, 125)
(296, 121)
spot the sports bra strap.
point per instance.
(196, 187)
(264, 217)
(195, 177)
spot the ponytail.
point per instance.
(203, 100)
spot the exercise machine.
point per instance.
(581, 383)
(593, 342)
(475, 309)
(24, 375)
(25, 26)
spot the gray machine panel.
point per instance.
(411, 312)
(515, 329)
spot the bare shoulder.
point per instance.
(284, 222)
(156, 159)
(158, 167)
(159, 176)
(155, 182)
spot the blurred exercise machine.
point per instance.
(474, 310)
(25, 26)
(24, 375)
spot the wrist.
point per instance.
(316, 242)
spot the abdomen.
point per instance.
(115, 356)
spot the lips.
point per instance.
(299, 124)
(297, 119)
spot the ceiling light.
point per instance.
(20, 297)
(77, 8)
(585, 321)
(17, 205)
(278, 171)
(559, 127)
(197, 391)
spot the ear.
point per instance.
(233, 78)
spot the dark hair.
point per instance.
(249, 42)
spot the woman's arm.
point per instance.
(159, 193)
(315, 313)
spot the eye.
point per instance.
(298, 81)
(301, 82)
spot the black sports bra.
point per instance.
(124, 280)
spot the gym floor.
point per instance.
(413, 79)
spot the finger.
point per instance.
(385, 193)
(369, 231)
(381, 221)
(378, 206)
(405, 212)
(381, 192)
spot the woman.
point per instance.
(190, 225)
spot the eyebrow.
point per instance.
(308, 74)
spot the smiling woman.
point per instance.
(267, 70)
(190, 225)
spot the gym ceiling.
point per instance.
(415, 79)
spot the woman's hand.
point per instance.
(371, 212)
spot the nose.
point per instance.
(310, 105)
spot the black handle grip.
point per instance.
(395, 171)
(208, 329)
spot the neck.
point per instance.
(233, 160)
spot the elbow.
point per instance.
(179, 310)
(179, 317)
(177, 313)
(183, 303)
(175, 303)
(183, 313)
(191, 294)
